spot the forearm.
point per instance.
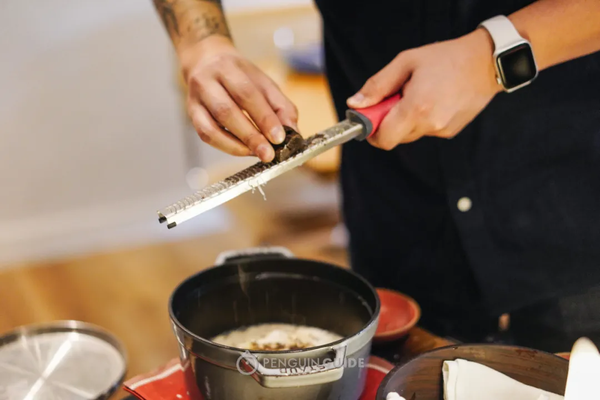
(189, 22)
(560, 30)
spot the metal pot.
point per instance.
(61, 360)
(270, 286)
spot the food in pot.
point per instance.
(276, 337)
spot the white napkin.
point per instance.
(467, 380)
(583, 382)
(394, 396)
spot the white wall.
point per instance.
(92, 139)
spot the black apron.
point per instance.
(529, 164)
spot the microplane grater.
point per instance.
(359, 125)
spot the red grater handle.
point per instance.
(371, 117)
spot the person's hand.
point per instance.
(224, 89)
(444, 86)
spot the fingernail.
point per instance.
(356, 100)
(278, 134)
(265, 152)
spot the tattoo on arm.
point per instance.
(167, 14)
(192, 21)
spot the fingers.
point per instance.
(408, 121)
(235, 106)
(399, 124)
(383, 84)
(212, 134)
(286, 110)
(249, 98)
(227, 113)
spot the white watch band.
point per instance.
(505, 38)
(503, 33)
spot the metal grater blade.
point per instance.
(255, 176)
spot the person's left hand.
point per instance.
(444, 86)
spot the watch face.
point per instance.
(517, 66)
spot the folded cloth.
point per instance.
(467, 380)
(394, 396)
(584, 370)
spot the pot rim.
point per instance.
(374, 316)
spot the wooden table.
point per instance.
(418, 341)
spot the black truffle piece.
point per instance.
(293, 144)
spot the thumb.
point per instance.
(383, 84)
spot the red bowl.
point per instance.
(398, 314)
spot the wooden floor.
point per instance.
(126, 292)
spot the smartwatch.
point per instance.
(513, 55)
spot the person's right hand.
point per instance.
(222, 85)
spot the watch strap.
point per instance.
(503, 32)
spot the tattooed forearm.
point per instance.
(207, 25)
(190, 21)
(167, 14)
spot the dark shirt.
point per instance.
(529, 163)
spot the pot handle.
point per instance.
(300, 373)
(253, 253)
